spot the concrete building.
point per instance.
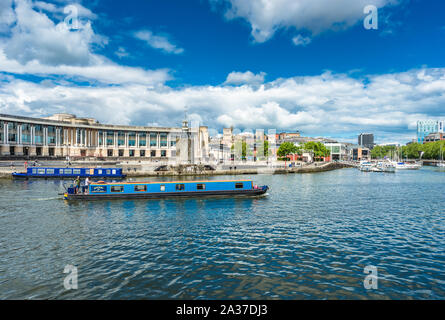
(366, 140)
(65, 135)
(339, 151)
(425, 127)
(361, 154)
(287, 135)
(436, 136)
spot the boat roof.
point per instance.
(163, 182)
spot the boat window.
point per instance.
(67, 171)
(50, 171)
(99, 171)
(162, 187)
(114, 171)
(180, 187)
(76, 171)
(239, 185)
(140, 188)
(108, 171)
(117, 188)
(41, 171)
(91, 172)
(34, 171)
(200, 186)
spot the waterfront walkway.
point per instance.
(147, 169)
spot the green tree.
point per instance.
(266, 148)
(318, 148)
(286, 148)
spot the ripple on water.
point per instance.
(310, 238)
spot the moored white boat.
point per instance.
(407, 166)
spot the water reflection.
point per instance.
(310, 237)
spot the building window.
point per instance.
(109, 152)
(153, 139)
(140, 188)
(117, 188)
(180, 187)
(153, 153)
(142, 139)
(239, 185)
(121, 153)
(132, 139)
(142, 153)
(131, 153)
(110, 138)
(200, 186)
(163, 153)
(163, 137)
(120, 138)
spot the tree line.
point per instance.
(431, 151)
(318, 148)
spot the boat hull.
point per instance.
(161, 195)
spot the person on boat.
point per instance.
(87, 183)
(77, 184)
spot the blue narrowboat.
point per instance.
(146, 190)
(60, 173)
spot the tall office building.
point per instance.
(366, 140)
(425, 127)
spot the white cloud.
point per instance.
(36, 37)
(82, 12)
(247, 77)
(121, 52)
(328, 104)
(6, 15)
(267, 16)
(301, 41)
(38, 46)
(158, 41)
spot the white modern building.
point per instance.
(65, 135)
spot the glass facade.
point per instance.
(121, 138)
(426, 127)
(132, 139)
(26, 134)
(153, 139)
(12, 132)
(163, 139)
(38, 138)
(101, 138)
(142, 139)
(51, 135)
(72, 138)
(110, 138)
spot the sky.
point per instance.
(314, 66)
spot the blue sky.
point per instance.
(307, 65)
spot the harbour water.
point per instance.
(310, 238)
